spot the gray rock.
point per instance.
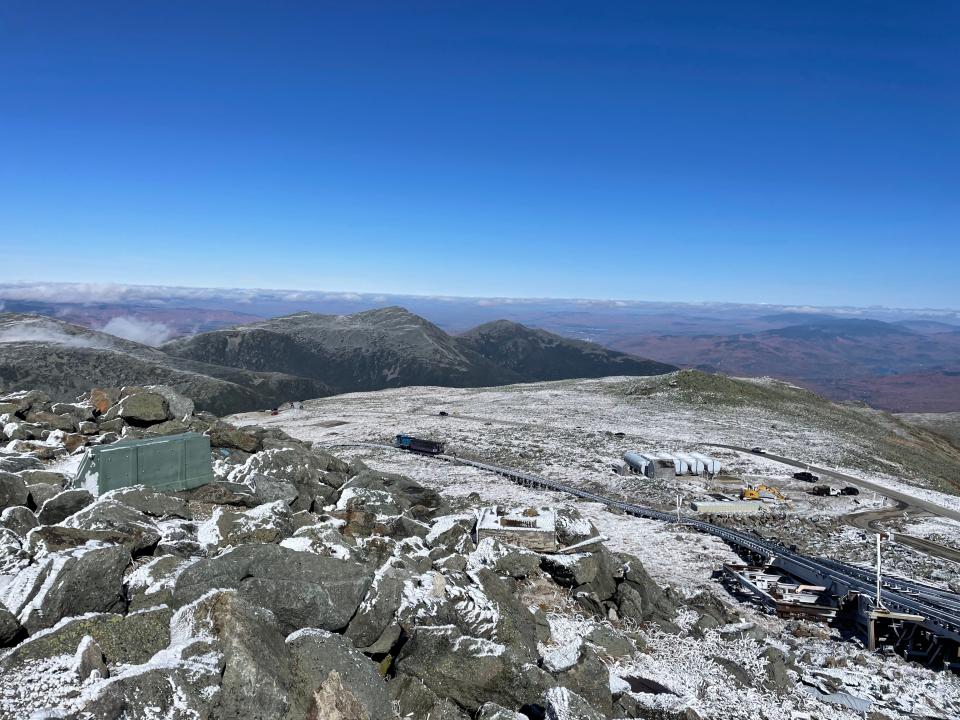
(63, 505)
(106, 514)
(55, 538)
(151, 584)
(13, 490)
(79, 411)
(611, 642)
(776, 677)
(10, 630)
(325, 541)
(72, 582)
(518, 564)
(492, 711)
(220, 493)
(88, 427)
(114, 425)
(590, 680)
(471, 671)
(268, 523)
(257, 666)
(22, 431)
(267, 489)
(561, 703)
(41, 492)
(654, 603)
(413, 699)
(48, 477)
(143, 408)
(25, 400)
(223, 435)
(571, 570)
(318, 656)
(181, 691)
(516, 626)
(168, 427)
(301, 467)
(376, 614)
(89, 660)
(67, 423)
(19, 463)
(150, 503)
(302, 590)
(572, 527)
(19, 519)
(123, 639)
(741, 677)
(179, 405)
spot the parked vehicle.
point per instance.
(850, 490)
(757, 450)
(418, 445)
(825, 490)
(806, 476)
(443, 413)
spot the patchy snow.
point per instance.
(565, 431)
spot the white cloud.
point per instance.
(141, 331)
(39, 331)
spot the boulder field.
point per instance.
(296, 586)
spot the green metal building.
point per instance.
(166, 464)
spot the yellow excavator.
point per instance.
(755, 493)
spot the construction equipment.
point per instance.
(762, 492)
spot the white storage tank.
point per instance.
(636, 462)
(687, 464)
(707, 464)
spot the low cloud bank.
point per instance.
(38, 332)
(145, 332)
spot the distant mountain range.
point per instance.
(900, 360)
(297, 357)
(898, 366)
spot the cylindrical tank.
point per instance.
(636, 462)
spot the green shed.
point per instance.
(166, 464)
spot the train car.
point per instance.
(418, 445)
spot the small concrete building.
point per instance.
(532, 528)
(720, 507)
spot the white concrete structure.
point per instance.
(533, 528)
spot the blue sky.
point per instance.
(744, 151)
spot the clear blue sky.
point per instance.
(747, 151)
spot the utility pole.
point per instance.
(678, 507)
(879, 602)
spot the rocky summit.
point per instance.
(299, 356)
(391, 347)
(64, 360)
(295, 585)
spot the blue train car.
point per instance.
(428, 447)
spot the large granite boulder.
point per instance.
(139, 531)
(330, 676)
(76, 581)
(301, 589)
(471, 671)
(63, 505)
(13, 490)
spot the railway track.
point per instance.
(940, 609)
